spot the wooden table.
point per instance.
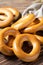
(4, 60)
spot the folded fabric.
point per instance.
(36, 9)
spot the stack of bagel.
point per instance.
(14, 31)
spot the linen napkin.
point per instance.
(35, 8)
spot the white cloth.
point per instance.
(36, 9)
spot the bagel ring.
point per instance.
(23, 22)
(4, 48)
(8, 19)
(18, 42)
(14, 11)
(36, 27)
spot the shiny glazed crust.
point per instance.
(7, 20)
(35, 28)
(14, 11)
(23, 22)
(17, 44)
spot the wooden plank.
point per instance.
(19, 4)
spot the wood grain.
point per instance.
(4, 60)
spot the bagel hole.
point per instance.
(2, 14)
(39, 33)
(36, 21)
(27, 46)
(9, 40)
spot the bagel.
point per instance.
(17, 47)
(4, 48)
(23, 22)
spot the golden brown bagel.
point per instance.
(9, 18)
(40, 38)
(17, 47)
(23, 22)
(4, 48)
(36, 27)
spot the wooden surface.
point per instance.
(4, 60)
